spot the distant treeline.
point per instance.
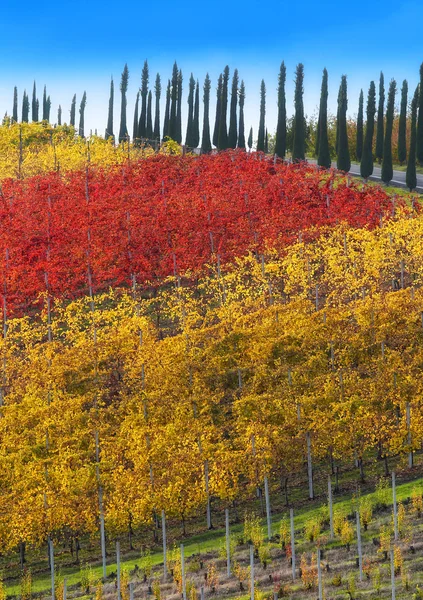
(329, 138)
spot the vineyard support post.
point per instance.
(360, 552)
(330, 507)
(184, 586)
(131, 591)
(228, 545)
(51, 551)
(319, 574)
(65, 588)
(269, 519)
(394, 502)
(252, 571)
(206, 478)
(100, 503)
(119, 595)
(408, 417)
(291, 514)
(164, 545)
(309, 467)
(392, 574)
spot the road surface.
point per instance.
(397, 181)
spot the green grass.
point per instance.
(209, 541)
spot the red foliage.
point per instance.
(162, 213)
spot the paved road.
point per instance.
(397, 181)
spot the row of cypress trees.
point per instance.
(145, 127)
(365, 134)
(34, 108)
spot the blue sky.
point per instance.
(74, 46)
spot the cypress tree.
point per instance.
(123, 131)
(344, 162)
(205, 141)
(35, 105)
(136, 119)
(360, 127)
(317, 140)
(109, 129)
(261, 131)
(59, 115)
(218, 110)
(196, 123)
(266, 143)
(48, 108)
(298, 149)
(323, 156)
(241, 129)
(149, 130)
(188, 137)
(379, 130)
(167, 111)
(142, 127)
(338, 119)
(402, 125)
(82, 114)
(411, 177)
(250, 139)
(15, 105)
(73, 111)
(387, 172)
(157, 92)
(25, 108)
(366, 165)
(280, 145)
(178, 137)
(222, 142)
(45, 104)
(419, 138)
(233, 129)
(172, 133)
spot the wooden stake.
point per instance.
(269, 519)
(206, 478)
(119, 595)
(319, 574)
(51, 551)
(164, 545)
(291, 514)
(330, 507)
(252, 571)
(228, 544)
(101, 508)
(392, 574)
(184, 586)
(394, 501)
(309, 467)
(360, 553)
(408, 417)
(131, 591)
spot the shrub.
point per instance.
(156, 590)
(285, 532)
(241, 573)
(309, 572)
(312, 529)
(264, 555)
(366, 511)
(253, 532)
(347, 534)
(382, 495)
(417, 502)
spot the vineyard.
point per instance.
(192, 340)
